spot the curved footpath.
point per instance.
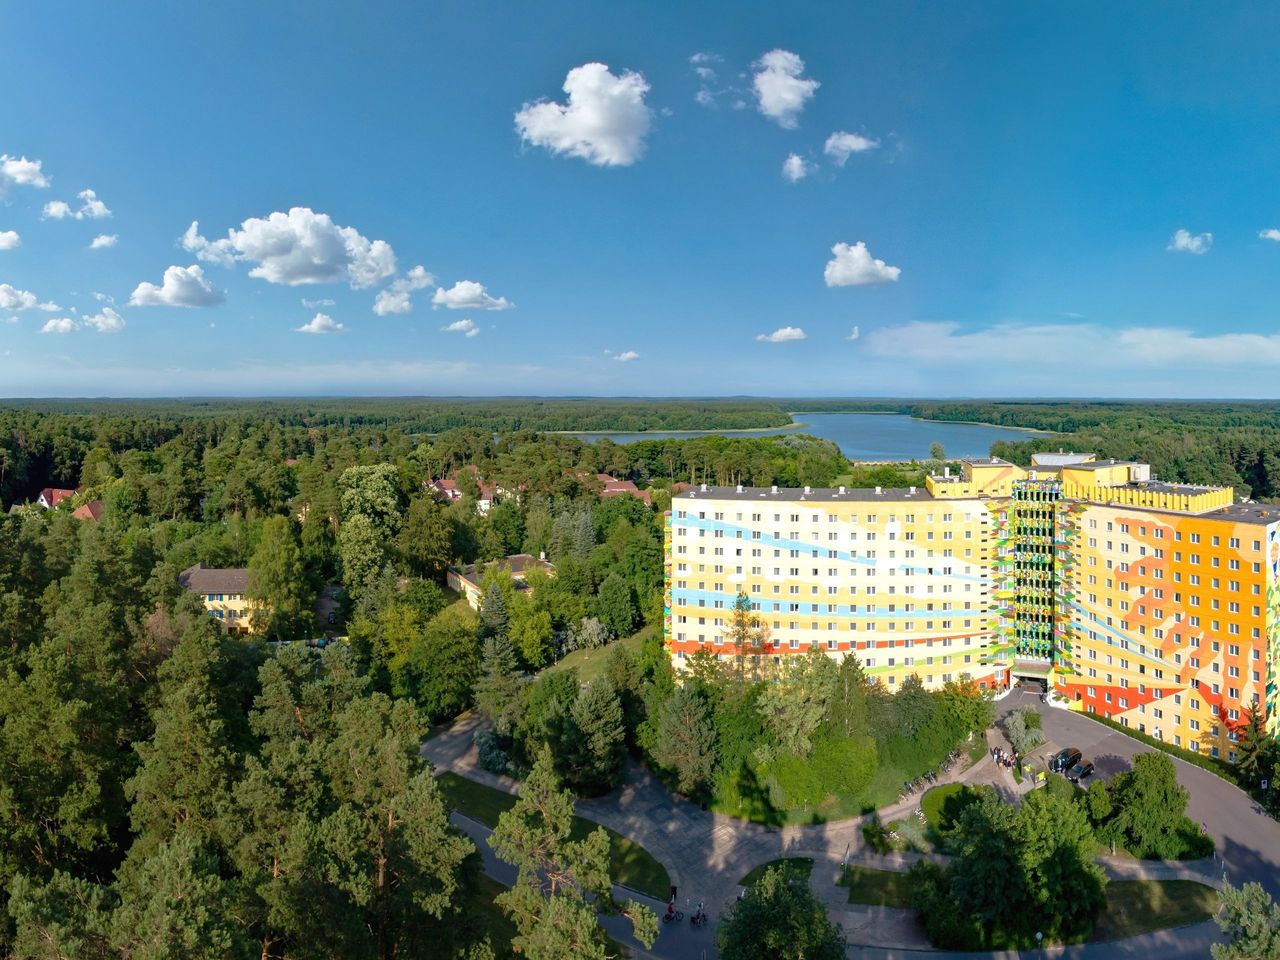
(707, 854)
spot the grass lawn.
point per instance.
(590, 663)
(942, 805)
(486, 917)
(795, 868)
(629, 863)
(879, 888)
(1140, 906)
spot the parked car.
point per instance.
(1081, 770)
(1064, 760)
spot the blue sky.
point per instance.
(1017, 176)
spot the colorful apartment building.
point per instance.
(1156, 604)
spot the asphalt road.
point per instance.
(1248, 841)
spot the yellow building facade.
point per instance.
(1153, 603)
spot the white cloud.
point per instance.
(782, 335)
(108, 321)
(59, 325)
(469, 295)
(626, 356)
(104, 297)
(1082, 345)
(320, 323)
(604, 121)
(853, 266)
(467, 328)
(781, 91)
(841, 144)
(854, 334)
(1184, 241)
(1269, 234)
(21, 171)
(91, 208)
(104, 241)
(321, 302)
(704, 67)
(11, 298)
(397, 297)
(9, 240)
(182, 287)
(795, 168)
(298, 247)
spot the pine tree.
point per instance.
(598, 741)
(560, 881)
(277, 583)
(779, 921)
(176, 904)
(687, 740)
(498, 688)
(388, 846)
(64, 918)
(1252, 746)
(494, 619)
(183, 782)
(1250, 918)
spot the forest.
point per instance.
(169, 789)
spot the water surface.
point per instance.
(865, 436)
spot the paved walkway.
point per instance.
(707, 854)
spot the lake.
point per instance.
(866, 436)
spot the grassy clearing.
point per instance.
(943, 805)
(795, 868)
(879, 888)
(629, 863)
(590, 663)
(1141, 906)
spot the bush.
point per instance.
(492, 757)
(1023, 732)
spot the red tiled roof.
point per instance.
(52, 496)
(89, 511)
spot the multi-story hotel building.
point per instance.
(1157, 604)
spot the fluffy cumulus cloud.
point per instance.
(604, 121)
(108, 321)
(1184, 241)
(91, 208)
(853, 266)
(782, 335)
(626, 356)
(319, 324)
(182, 287)
(21, 172)
(854, 334)
(1271, 233)
(780, 87)
(795, 168)
(467, 328)
(840, 145)
(11, 298)
(468, 295)
(398, 298)
(59, 325)
(104, 241)
(297, 247)
(10, 240)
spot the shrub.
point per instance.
(492, 757)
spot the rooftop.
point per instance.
(986, 461)
(811, 494)
(517, 565)
(1060, 459)
(1103, 464)
(202, 579)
